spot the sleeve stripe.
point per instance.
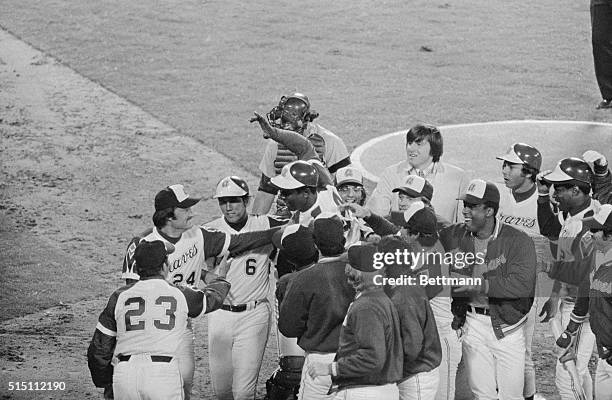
(226, 244)
(105, 330)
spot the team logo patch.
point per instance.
(410, 180)
(471, 188)
(225, 183)
(348, 172)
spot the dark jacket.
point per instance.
(370, 351)
(421, 343)
(315, 305)
(511, 280)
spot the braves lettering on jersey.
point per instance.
(188, 259)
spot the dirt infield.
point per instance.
(163, 94)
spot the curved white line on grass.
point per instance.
(358, 152)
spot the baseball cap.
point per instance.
(349, 175)
(297, 174)
(297, 242)
(328, 231)
(231, 186)
(521, 153)
(418, 218)
(149, 255)
(174, 196)
(480, 191)
(361, 257)
(416, 186)
(602, 219)
(570, 170)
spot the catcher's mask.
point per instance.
(292, 113)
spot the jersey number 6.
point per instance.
(140, 325)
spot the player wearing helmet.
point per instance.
(572, 248)
(518, 208)
(294, 113)
(238, 332)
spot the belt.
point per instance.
(479, 310)
(242, 307)
(165, 359)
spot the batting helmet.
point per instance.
(296, 175)
(570, 170)
(521, 153)
(231, 186)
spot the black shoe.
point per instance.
(604, 104)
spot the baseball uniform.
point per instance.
(141, 329)
(238, 332)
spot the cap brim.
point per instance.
(513, 158)
(286, 183)
(189, 202)
(344, 182)
(470, 199)
(408, 191)
(557, 176)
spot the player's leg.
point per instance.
(185, 354)
(478, 358)
(162, 381)
(422, 386)
(603, 380)
(584, 348)
(220, 342)
(451, 356)
(529, 388)
(125, 374)
(250, 341)
(509, 354)
(318, 387)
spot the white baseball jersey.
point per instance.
(523, 215)
(150, 317)
(248, 272)
(189, 257)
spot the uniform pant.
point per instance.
(529, 388)
(495, 367)
(139, 378)
(601, 38)
(451, 356)
(318, 387)
(185, 354)
(236, 345)
(422, 386)
(584, 349)
(603, 380)
(382, 392)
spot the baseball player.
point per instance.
(370, 354)
(194, 244)
(518, 207)
(424, 148)
(573, 246)
(349, 183)
(600, 308)
(421, 343)
(238, 332)
(503, 258)
(297, 243)
(316, 303)
(136, 343)
(293, 113)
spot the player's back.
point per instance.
(151, 318)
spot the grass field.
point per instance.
(81, 165)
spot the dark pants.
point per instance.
(601, 23)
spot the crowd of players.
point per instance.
(307, 261)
